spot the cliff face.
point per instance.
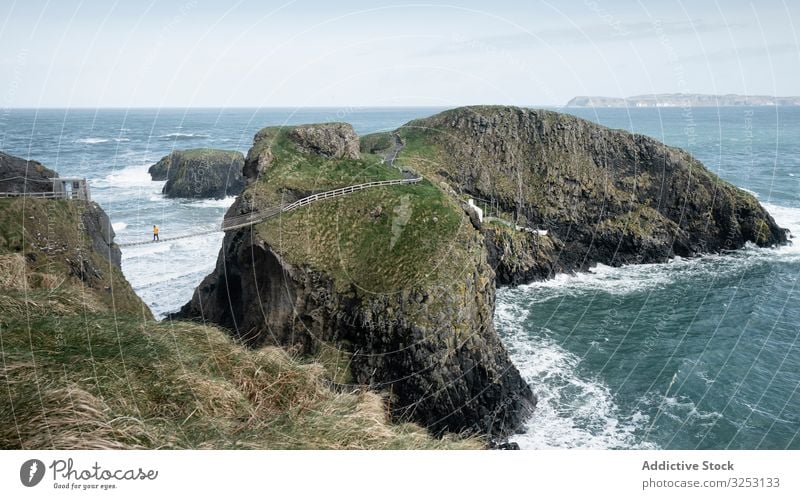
(65, 247)
(395, 279)
(603, 195)
(22, 175)
(200, 173)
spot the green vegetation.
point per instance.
(212, 155)
(56, 248)
(376, 142)
(292, 170)
(382, 239)
(82, 371)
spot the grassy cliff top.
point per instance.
(565, 171)
(45, 243)
(293, 170)
(381, 239)
(217, 155)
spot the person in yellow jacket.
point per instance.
(155, 233)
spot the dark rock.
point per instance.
(101, 233)
(256, 163)
(503, 445)
(521, 257)
(22, 175)
(330, 140)
(200, 173)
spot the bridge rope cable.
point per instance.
(255, 217)
(167, 239)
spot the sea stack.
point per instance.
(200, 173)
(396, 279)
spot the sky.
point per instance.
(249, 53)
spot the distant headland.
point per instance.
(683, 100)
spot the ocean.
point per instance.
(693, 353)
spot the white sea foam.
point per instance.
(98, 140)
(130, 176)
(788, 218)
(614, 280)
(119, 226)
(573, 411)
(179, 136)
(213, 203)
(165, 274)
(642, 278)
(680, 409)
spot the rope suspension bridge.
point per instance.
(255, 217)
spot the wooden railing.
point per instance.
(43, 195)
(255, 217)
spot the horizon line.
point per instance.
(343, 107)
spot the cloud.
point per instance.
(734, 53)
(612, 31)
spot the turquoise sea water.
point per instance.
(699, 353)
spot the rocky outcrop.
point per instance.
(429, 344)
(604, 195)
(519, 257)
(23, 175)
(435, 353)
(330, 140)
(200, 173)
(326, 140)
(159, 171)
(101, 234)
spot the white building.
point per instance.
(71, 188)
(478, 211)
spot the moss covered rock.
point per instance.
(604, 195)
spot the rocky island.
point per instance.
(200, 173)
(603, 196)
(400, 281)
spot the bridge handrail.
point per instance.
(45, 195)
(256, 216)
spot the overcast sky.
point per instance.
(102, 53)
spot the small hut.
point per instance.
(71, 188)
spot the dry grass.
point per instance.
(93, 382)
(12, 271)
